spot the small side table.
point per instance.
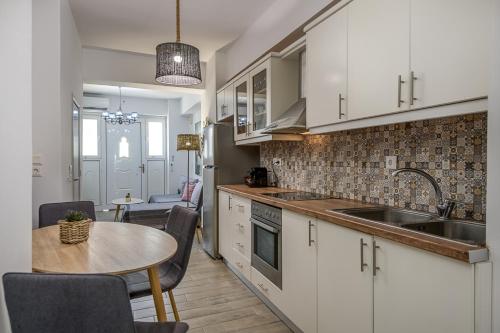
(120, 202)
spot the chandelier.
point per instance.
(177, 63)
(119, 117)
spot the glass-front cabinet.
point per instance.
(260, 108)
(241, 119)
(256, 104)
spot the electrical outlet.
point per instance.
(276, 161)
(391, 162)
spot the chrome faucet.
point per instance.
(444, 207)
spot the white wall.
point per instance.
(15, 141)
(100, 66)
(177, 124)
(57, 77)
(209, 97)
(493, 181)
(280, 19)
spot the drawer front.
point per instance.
(266, 287)
(242, 264)
(242, 238)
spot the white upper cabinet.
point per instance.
(327, 71)
(416, 291)
(263, 94)
(345, 281)
(402, 55)
(449, 50)
(242, 108)
(225, 103)
(379, 57)
(299, 298)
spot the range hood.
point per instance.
(292, 121)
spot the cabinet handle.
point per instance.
(413, 78)
(375, 267)
(362, 245)
(340, 106)
(229, 202)
(310, 233)
(400, 82)
(261, 286)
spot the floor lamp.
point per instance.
(189, 142)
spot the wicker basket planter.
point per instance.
(74, 232)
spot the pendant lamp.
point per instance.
(177, 63)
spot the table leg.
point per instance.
(118, 207)
(154, 281)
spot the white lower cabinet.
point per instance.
(417, 291)
(225, 225)
(345, 281)
(299, 270)
(338, 280)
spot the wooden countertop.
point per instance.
(319, 209)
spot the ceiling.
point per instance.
(139, 25)
(101, 89)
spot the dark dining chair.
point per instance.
(77, 303)
(181, 224)
(50, 213)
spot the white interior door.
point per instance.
(124, 161)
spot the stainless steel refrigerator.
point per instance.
(223, 163)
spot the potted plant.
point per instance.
(74, 228)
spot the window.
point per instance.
(123, 149)
(90, 137)
(155, 138)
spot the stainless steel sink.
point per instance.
(388, 215)
(465, 232)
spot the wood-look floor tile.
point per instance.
(211, 299)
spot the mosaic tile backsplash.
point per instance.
(351, 164)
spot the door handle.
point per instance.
(400, 82)
(375, 267)
(340, 106)
(362, 245)
(142, 167)
(413, 78)
(310, 233)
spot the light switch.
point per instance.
(391, 162)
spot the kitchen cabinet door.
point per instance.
(417, 291)
(225, 225)
(449, 50)
(327, 71)
(299, 270)
(378, 57)
(241, 108)
(260, 102)
(345, 280)
(221, 100)
(229, 101)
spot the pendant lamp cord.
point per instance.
(178, 17)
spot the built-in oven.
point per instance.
(266, 241)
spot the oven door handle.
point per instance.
(265, 226)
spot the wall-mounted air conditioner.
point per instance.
(95, 103)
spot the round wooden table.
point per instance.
(112, 248)
(123, 202)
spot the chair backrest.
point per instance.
(181, 224)
(61, 303)
(49, 214)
